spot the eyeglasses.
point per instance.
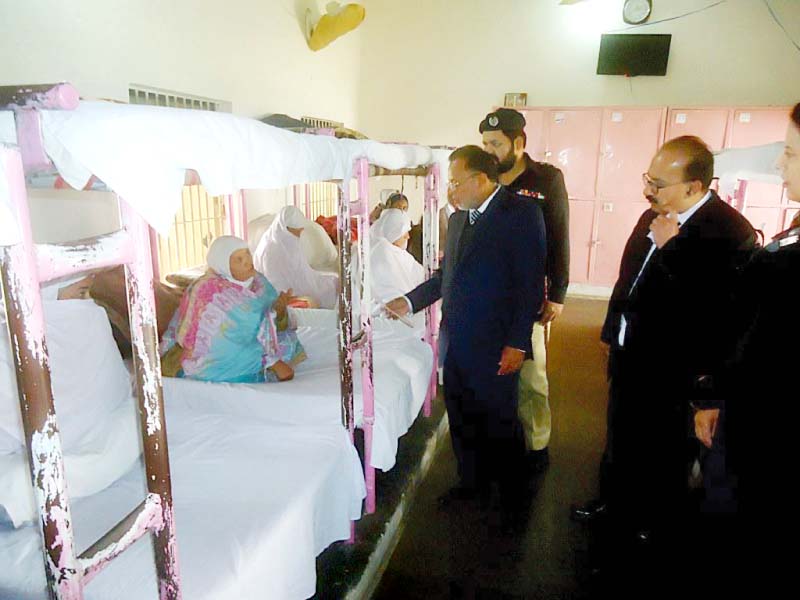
(657, 185)
(451, 185)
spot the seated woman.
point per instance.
(225, 328)
(279, 256)
(393, 270)
(396, 200)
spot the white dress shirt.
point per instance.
(682, 218)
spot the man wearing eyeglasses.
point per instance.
(491, 282)
(668, 325)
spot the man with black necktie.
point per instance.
(669, 324)
(491, 282)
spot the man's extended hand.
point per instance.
(664, 228)
(705, 425)
(398, 306)
(510, 361)
(550, 311)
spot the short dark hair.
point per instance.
(700, 166)
(513, 134)
(796, 115)
(477, 159)
(395, 197)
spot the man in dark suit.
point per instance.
(491, 283)
(669, 325)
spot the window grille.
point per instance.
(201, 218)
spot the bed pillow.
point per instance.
(90, 466)
(88, 376)
(93, 400)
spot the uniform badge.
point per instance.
(494, 121)
(530, 194)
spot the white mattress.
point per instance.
(402, 367)
(255, 503)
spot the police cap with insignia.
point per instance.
(502, 119)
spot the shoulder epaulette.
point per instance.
(784, 238)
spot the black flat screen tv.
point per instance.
(633, 54)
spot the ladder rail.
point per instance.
(23, 265)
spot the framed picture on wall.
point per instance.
(516, 99)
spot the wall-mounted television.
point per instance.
(633, 54)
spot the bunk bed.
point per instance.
(145, 154)
(229, 153)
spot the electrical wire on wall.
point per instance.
(691, 12)
(778, 21)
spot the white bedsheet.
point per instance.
(142, 153)
(254, 505)
(402, 367)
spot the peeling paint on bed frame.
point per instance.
(430, 237)
(22, 266)
(367, 368)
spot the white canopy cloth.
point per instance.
(142, 153)
(280, 258)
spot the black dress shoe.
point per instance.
(589, 512)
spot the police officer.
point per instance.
(503, 132)
(750, 413)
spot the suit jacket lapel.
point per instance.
(454, 233)
(480, 227)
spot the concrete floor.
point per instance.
(473, 553)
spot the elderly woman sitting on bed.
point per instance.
(280, 257)
(226, 328)
(394, 270)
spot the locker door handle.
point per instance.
(547, 154)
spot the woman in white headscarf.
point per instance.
(393, 270)
(226, 327)
(279, 256)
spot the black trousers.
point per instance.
(484, 427)
(644, 470)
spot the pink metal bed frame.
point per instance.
(348, 344)
(23, 267)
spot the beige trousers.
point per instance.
(534, 408)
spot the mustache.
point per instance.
(651, 199)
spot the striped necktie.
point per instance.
(474, 215)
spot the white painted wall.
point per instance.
(251, 53)
(430, 70)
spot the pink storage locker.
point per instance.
(757, 126)
(573, 136)
(630, 138)
(615, 222)
(759, 193)
(767, 219)
(581, 225)
(709, 124)
(534, 131)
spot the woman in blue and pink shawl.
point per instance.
(226, 326)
